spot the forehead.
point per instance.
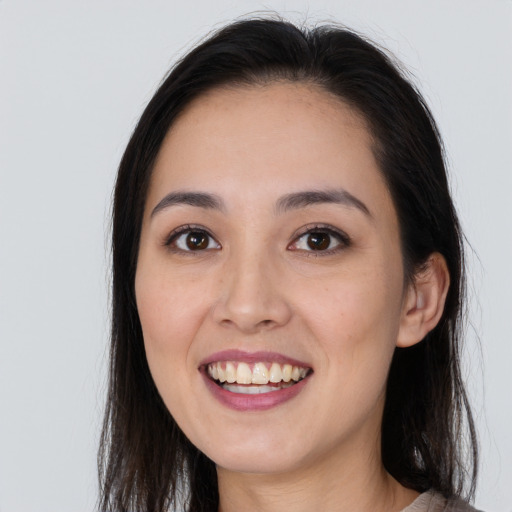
(283, 112)
(277, 138)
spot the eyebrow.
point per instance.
(307, 198)
(198, 199)
(293, 201)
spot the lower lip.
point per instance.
(259, 402)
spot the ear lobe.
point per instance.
(424, 301)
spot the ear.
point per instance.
(424, 301)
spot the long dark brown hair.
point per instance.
(428, 438)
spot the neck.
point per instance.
(354, 481)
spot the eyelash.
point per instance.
(342, 238)
(171, 240)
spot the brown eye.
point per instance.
(197, 240)
(318, 241)
(321, 240)
(193, 240)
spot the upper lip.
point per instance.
(252, 357)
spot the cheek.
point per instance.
(356, 329)
(164, 305)
(356, 317)
(168, 328)
(351, 308)
(169, 325)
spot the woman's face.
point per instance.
(270, 258)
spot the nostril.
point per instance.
(247, 324)
(266, 324)
(248, 309)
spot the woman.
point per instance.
(288, 286)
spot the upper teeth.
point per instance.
(260, 373)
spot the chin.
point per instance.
(257, 463)
(258, 453)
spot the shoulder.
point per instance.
(433, 502)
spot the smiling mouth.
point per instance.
(256, 378)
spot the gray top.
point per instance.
(433, 502)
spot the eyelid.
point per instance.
(337, 233)
(187, 228)
(341, 236)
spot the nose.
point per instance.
(252, 296)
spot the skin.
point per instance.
(259, 287)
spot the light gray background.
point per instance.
(74, 77)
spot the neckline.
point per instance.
(421, 503)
